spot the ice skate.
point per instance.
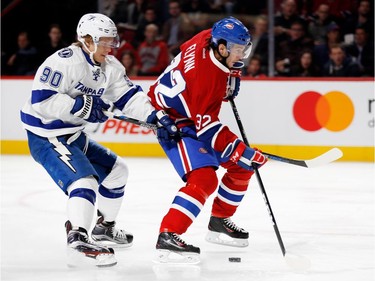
(82, 252)
(172, 249)
(223, 231)
(106, 233)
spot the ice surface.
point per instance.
(325, 215)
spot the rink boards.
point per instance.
(294, 118)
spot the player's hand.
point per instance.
(90, 108)
(234, 80)
(167, 129)
(238, 152)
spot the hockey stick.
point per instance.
(298, 263)
(325, 158)
(131, 120)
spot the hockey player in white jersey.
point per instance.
(72, 87)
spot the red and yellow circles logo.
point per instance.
(333, 111)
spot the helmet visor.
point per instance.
(240, 50)
(109, 42)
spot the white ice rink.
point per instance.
(324, 214)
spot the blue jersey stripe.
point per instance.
(36, 122)
(229, 196)
(41, 95)
(111, 193)
(125, 98)
(188, 205)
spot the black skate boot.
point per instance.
(224, 231)
(172, 249)
(83, 252)
(106, 233)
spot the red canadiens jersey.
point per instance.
(193, 85)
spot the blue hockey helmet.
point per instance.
(233, 32)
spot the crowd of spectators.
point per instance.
(313, 38)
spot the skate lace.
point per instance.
(118, 233)
(228, 222)
(178, 238)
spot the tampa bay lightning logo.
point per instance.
(66, 53)
(96, 74)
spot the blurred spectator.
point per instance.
(321, 52)
(287, 51)
(128, 60)
(177, 29)
(340, 65)
(153, 53)
(54, 43)
(124, 47)
(148, 17)
(363, 51)
(284, 19)
(198, 13)
(339, 8)
(135, 11)
(254, 68)
(25, 60)
(115, 9)
(305, 66)
(318, 27)
(259, 36)
(363, 17)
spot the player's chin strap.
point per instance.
(91, 54)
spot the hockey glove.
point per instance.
(242, 155)
(90, 108)
(234, 79)
(167, 129)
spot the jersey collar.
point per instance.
(216, 62)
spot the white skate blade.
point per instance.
(171, 257)
(223, 239)
(79, 259)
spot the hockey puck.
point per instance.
(234, 259)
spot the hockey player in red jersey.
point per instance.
(191, 90)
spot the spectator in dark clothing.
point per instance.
(364, 17)
(321, 52)
(147, 18)
(26, 59)
(254, 69)
(305, 67)
(128, 60)
(317, 28)
(288, 50)
(54, 43)
(363, 51)
(284, 20)
(340, 65)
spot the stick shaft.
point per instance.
(261, 185)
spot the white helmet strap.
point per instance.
(82, 40)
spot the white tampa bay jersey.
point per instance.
(68, 73)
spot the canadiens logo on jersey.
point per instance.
(203, 150)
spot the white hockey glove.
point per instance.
(238, 152)
(234, 80)
(90, 108)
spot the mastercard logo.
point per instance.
(333, 111)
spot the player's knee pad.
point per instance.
(85, 188)
(118, 176)
(236, 174)
(203, 180)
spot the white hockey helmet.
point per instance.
(97, 25)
